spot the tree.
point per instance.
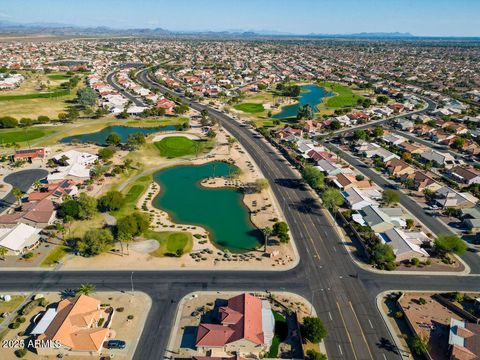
(383, 256)
(69, 208)
(280, 229)
(8, 122)
(406, 156)
(410, 223)
(95, 242)
(18, 194)
(85, 289)
(332, 199)
(204, 113)
(266, 234)
(420, 345)
(86, 97)
(3, 252)
(305, 112)
(231, 141)
(72, 114)
(106, 153)
(261, 184)
(181, 109)
(88, 206)
(359, 134)
(111, 201)
(458, 143)
(382, 99)
(315, 355)
(335, 125)
(133, 225)
(313, 329)
(313, 177)
(134, 141)
(447, 244)
(113, 139)
(390, 196)
(378, 131)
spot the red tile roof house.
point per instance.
(54, 191)
(166, 104)
(29, 154)
(37, 214)
(246, 327)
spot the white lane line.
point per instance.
(334, 249)
(330, 316)
(370, 323)
(340, 349)
(384, 356)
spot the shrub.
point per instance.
(398, 314)
(130, 317)
(28, 255)
(422, 301)
(20, 353)
(20, 319)
(313, 329)
(415, 261)
(14, 325)
(100, 322)
(120, 309)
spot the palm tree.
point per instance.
(18, 194)
(266, 234)
(3, 252)
(37, 185)
(231, 141)
(85, 289)
(420, 345)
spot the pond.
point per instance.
(221, 211)
(99, 137)
(311, 94)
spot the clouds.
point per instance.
(5, 15)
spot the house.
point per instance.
(393, 139)
(74, 324)
(288, 131)
(29, 154)
(411, 148)
(346, 181)
(19, 239)
(441, 159)
(380, 219)
(406, 244)
(358, 199)
(37, 214)
(72, 163)
(374, 150)
(463, 340)
(447, 197)
(246, 326)
(464, 175)
(422, 181)
(398, 168)
(54, 191)
(470, 218)
(328, 167)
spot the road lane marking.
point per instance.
(330, 316)
(370, 323)
(348, 334)
(334, 249)
(361, 330)
(384, 356)
(340, 349)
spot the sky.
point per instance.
(419, 17)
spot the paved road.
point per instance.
(133, 98)
(23, 180)
(435, 225)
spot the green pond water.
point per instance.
(99, 137)
(311, 94)
(221, 211)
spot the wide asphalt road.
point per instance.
(23, 180)
(435, 225)
(133, 98)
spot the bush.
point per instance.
(28, 255)
(120, 309)
(422, 301)
(130, 317)
(20, 353)
(14, 325)
(414, 261)
(398, 314)
(313, 329)
(100, 322)
(20, 319)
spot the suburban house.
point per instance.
(371, 150)
(72, 163)
(464, 340)
(439, 158)
(447, 197)
(422, 181)
(328, 167)
(411, 148)
(393, 139)
(358, 199)
(54, 191)
(35, 213)
(471, 218)
(345, 181)
(464, 175)
(19, 239)
(380, 219)
(398, 168)
(246, 326)
(75, 324)
(29, 154)
(405, 244)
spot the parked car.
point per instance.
(116, 344)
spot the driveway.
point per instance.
(23, 180)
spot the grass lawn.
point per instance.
(55, 255)
(132, 193)
(38, 95)
(59, 76)
(170, 242)
(344, 97)
(273, 351)
(250, 107)
(8, 136)
(157, 122)
(12, 304)
(176, 146)
(281, 333)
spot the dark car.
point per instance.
(116, 344)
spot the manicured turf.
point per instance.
(176, 146)
(344, 96)
(58, 76)
(170, 242)
(39, 95)
(16, 136)
(9, 306)
(250, 107)
(273, 351)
